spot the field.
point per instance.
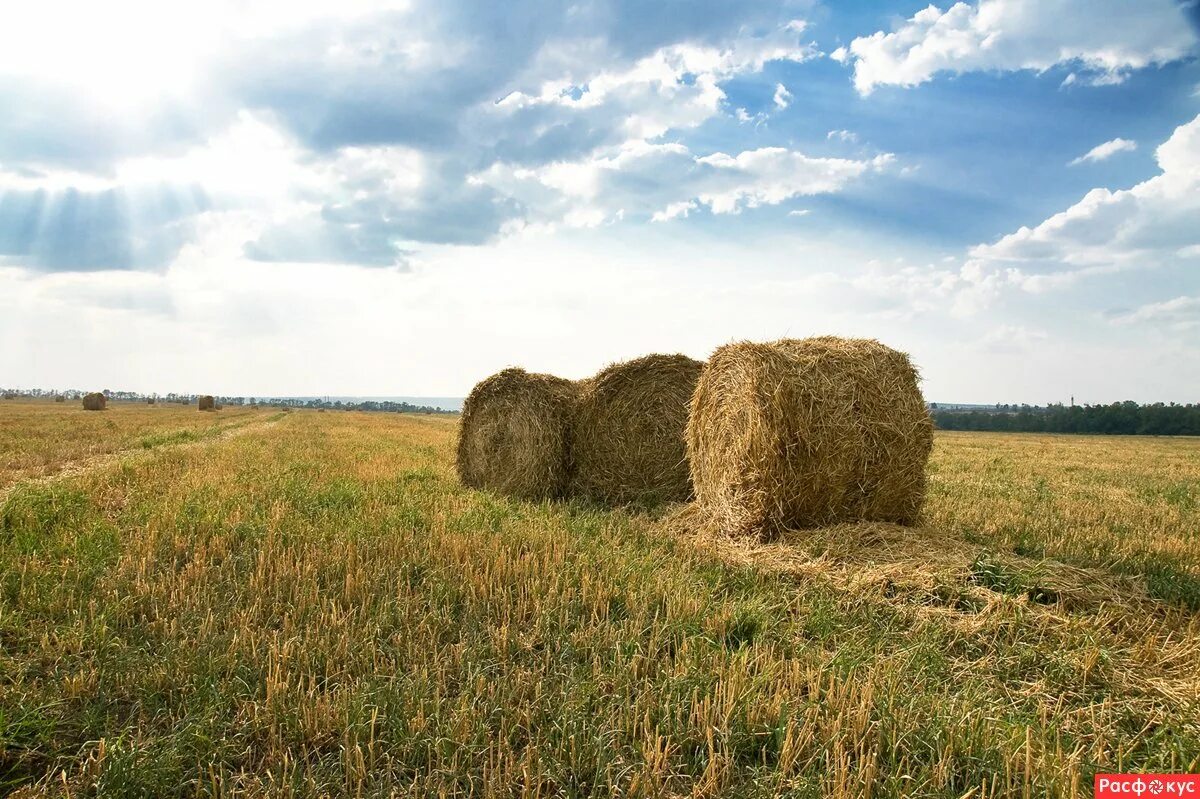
(310, 604)
(39, 438)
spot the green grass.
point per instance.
(319, 608)
(168, 438)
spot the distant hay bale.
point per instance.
(514, 436)
(149, 400)
(60, 398)
(95, 402)
(801, 433)
(627, 442)
(207, 403)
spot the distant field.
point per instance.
(316, 607)
(38, 437)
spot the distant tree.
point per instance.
(1118, 418)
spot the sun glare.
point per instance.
(120, 55)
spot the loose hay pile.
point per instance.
(207, 403)
(94, 402)
(514, 436)
(627, 444)
(802, 433)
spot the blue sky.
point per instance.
(398, 197)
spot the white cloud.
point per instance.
(744, 117)
(251, 158)
(1013, 338)
(1180, 313)
(1106, 150)
(676, 87)
(302, 110)
(102, 49)
(782, 96)
(1106, 38)
(799, 212)
(840, 55)
(1151, 224)
(665, 181)
(842, 135)
(674, 210)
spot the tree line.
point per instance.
(386, 406)
(1119, 418)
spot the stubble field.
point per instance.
(309, 604)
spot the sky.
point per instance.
(374, 197)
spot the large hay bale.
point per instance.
(514, 435)
(94, 401)
(207, 403)
(801, 433)
(627, 443)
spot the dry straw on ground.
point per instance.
(207, 403)
(95, 402)
(515, 434)
(801, 433)
(627, 444)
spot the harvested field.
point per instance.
(320, 604)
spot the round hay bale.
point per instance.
(514, 435)
(802, 433)
(95, 401)
(627, 443)
(207, 403)
(60, 398)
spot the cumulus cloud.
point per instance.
(1150, 225)
(365, 125)
(1105, 151)
(674, 88)
(659, 182)
(1179, 313)
(1103, 38)
(783, 97)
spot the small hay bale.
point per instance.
(149, 400)
(207, 403)
(627, 443)
(95, 402)
(514, 436)
(60, 398)
(803, 433)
